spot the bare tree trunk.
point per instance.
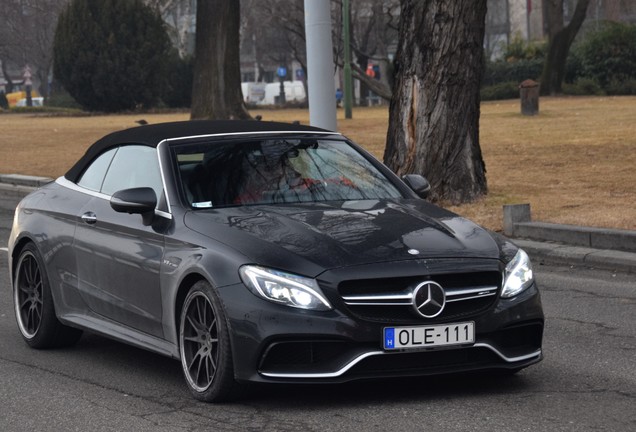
(434, 113)
(9, 85)
(560, 41)
(216, 92)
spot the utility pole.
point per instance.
(348, 82)
(28, 85)
(320, 66)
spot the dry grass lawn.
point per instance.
(574, 163)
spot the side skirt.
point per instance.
(121, 333)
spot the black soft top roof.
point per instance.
(152, 135)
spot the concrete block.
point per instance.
(621, 240)
(513, 214)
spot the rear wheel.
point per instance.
(34, 308)
(206, 356)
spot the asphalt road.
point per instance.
(587, 381)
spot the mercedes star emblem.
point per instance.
(429, 299)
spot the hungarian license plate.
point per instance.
(429, 336)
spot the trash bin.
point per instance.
(529, 93)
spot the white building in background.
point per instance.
(509, 19)
(526, 19)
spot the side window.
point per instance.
(93, 177)
(133, 166)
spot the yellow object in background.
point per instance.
(15, 97)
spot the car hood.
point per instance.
(321, 236)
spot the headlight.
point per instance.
(518, 275)
(284, 288)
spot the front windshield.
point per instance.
(279, 170)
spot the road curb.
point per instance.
(518, 224)
(596, 238)
(24, 180)
(10, 195)
(563, 254)
(14, 187)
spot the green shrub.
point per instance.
(178, 90)
(505, 90)
(574, 64)
(608, 56)
(61, 99)
(518, 71)
(54, 111)
(521, 61)
(618, 87)
(519, 49)
(28, 109)
(583, 87)
(110, 54)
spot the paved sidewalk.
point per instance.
(14, 186)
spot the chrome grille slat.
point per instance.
(471, 297)
(406, 298)
(400, 299)
(489, 289)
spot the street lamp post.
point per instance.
(348, 82)
(282, 73)
(320, 66)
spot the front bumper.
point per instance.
(274, 343)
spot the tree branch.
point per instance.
(376, 86)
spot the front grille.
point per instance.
(389, 300)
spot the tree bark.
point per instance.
(216, 92)
(434, 113)
(560, 41)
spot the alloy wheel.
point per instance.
(28, 295)
(199, 342)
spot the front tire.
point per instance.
(34, 308)
(204, 343)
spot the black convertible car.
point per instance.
(266, 252)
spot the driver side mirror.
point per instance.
(141, 201)
(418, 184)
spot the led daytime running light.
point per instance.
(284, 288)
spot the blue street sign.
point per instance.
(282, 71)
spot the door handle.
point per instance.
(89, 218)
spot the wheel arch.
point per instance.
(188, 282)
(15, 254)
